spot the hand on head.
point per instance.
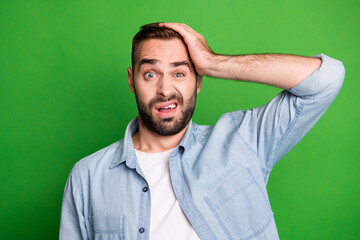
(200, 52)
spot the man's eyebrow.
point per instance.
(149, 61)
(155, 61)
(176, 64)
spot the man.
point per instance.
(170, 178)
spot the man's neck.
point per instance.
(147, 141)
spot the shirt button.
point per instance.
(145, 189)
(141, 230)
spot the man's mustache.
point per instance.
(161, 99)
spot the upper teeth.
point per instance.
(172, 106)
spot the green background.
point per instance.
(64, 95)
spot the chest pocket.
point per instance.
(108, 227)
(240, 206)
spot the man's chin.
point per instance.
(168, 120)
(166, 127)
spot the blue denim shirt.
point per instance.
(218, 173)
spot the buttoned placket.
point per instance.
(145, 206)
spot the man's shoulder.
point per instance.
(233, 118)
(226, 122)
(101, 158)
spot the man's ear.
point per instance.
(131, 80)
(198, 84)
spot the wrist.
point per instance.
(217, 65)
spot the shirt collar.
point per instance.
(188, 137)
(126, 152)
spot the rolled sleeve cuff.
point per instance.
(330, 71)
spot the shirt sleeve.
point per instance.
(72, 223)
(273, 129)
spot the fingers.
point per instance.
(185, 31)
(179, 27)
(199, 51)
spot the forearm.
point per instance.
(280, 70)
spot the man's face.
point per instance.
(165, 86)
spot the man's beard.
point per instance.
(166, 126)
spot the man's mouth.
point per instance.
(166, 109)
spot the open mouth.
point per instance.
(166, 109)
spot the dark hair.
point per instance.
(150, 31)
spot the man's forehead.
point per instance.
(164, 49)
(170, 52)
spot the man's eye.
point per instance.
(179, 74)
(150, 75)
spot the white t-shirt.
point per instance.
(167, 220)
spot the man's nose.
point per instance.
(165, 87)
